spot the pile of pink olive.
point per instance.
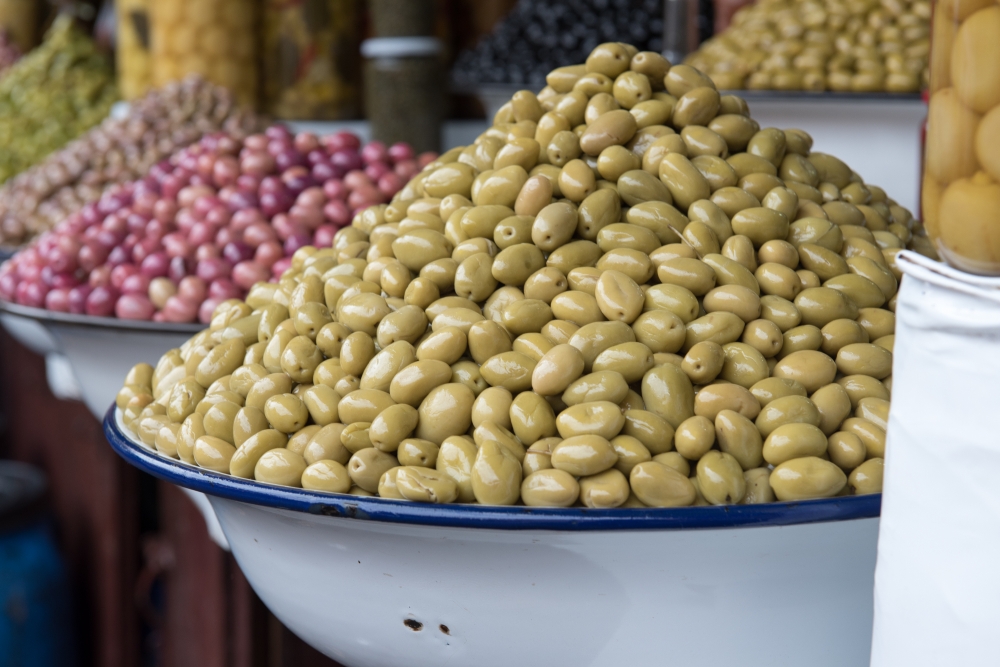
(206, 225)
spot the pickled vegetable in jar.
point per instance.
(213, 38)
(311, 66)
(132, 57)
(961, 184)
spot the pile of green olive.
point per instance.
(623, 294)
(839, 45)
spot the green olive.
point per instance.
(714, 398)
(791, 409)
(549, 488)
(805, 478)
(792, 441)
(703, 362)
(834, 407)
(867, 477)
(367, 466)
(658, 485)
(739, 437)
(532, 418)
(694, 437)
(758, 486)
(846, 450)
(720, 478)
(668, 392)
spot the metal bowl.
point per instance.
(373, 582)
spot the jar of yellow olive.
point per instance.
(132, 58)
(213, 38)
(961, 185)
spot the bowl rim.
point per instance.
(55, 317)
(844, 508)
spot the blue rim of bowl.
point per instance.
(476, 516)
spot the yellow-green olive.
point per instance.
(739, 437)
(771, 388)
(653, 431)
(668, 392)
(758, 487)
(864, 359)
(867, 477)
(791, 409)
(714, 398)
(720, 478)
(444, 412)
(213, 454)
(834, 406)
(810, 367)
(694, 437)
(805, 478)
(792, 441)
(367, 466)
(703, 362)
(658, 485)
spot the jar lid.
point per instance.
(401, 47)
(22, 489)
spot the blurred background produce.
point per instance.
(51, 95)
(856, 46)
(115, 152)
(213, 38)
(310, 55)
(206, 225)
(540, 35)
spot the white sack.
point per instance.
(937, 581)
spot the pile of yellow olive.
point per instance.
(839, 45)
(624, 293)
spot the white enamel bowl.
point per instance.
(373, 582)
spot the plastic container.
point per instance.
(961, 185)
(35, 624)
(214, 38)
(132, 57)
(311, 65)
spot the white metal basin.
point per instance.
(373, 582)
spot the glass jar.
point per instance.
(132, 58)
(961, 186)
(311, 65)
(213, 38)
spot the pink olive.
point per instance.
(100, 276)
(268, 253)
(177, 309)
(58, 300)
(134, 307)
(248, 273)
(192, 289)
(206, 309)
(135, 284)
(400, 151)
(78, 298)
(101, 301)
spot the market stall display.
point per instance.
(628, 314)
(205, 226)
(115, 152)
(858, 46)
(961, 185)
(51, 96)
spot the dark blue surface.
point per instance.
(479, 516)
(36, 628)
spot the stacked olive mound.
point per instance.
(115, 152)
(839, 45)
(587, 305)
(51, 95)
